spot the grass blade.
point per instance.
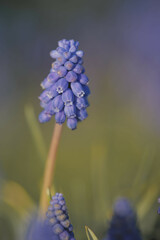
(90, 234)
(35, 131)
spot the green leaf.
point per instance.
(147, 201)
(90, 234)
(35, 131)
(49, 194)
(17, 197)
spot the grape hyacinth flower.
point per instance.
(58, 219)
(123, 224)
(65, 88)
(56, 224)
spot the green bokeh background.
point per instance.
(115, 152)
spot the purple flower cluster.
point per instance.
(58, 219)
(65, 88)
(123, 224)
(56, 225)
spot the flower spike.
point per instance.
(123, 224)
(58, 219)
(65, 83)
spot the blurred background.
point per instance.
(115, 151)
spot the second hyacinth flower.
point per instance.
(123, 225)
(65, 92)
(58, 219)
(55, 226)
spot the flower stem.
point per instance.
(49, 168)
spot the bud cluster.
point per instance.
(58, 219)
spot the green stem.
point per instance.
(49, 168)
